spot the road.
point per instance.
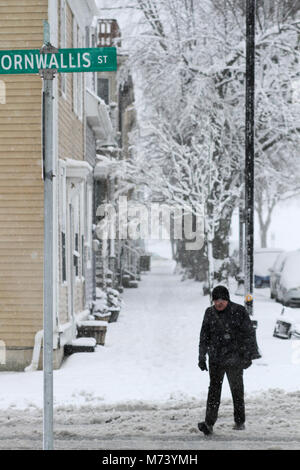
(273, 422)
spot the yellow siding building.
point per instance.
(21, 185)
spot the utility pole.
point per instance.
(249, 153)
(240, 277)
(48, 175)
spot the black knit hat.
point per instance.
(220, 292)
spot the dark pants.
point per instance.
(235, 379)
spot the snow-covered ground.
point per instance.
(143, 389)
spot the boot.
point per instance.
(207, 429)
(239, 426)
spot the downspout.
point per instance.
(36, 352)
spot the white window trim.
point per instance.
(77, 172)
(77, 168)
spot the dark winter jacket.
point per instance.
(228, 337)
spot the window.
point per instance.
(76, 236)
(63, 258)
(63, 40)
(76, 255)
(62, 220)
(83, 257)
(103, 89)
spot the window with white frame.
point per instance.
(63, 40)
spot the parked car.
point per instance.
(263, 260)
(287, 325)
(275, 272)
(288, 287)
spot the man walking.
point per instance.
(228, 337)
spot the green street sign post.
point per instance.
(98, 59)
(48, 61)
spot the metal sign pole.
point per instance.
(48, 265)
(249, 157)
(48, 175)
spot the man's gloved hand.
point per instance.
(246, 363)
(202, 364)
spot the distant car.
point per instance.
(275, 272)
(288, 287)
(264, 259)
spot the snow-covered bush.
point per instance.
(106, 301)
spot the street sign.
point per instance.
(27, 61)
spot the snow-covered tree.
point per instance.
(191, 62)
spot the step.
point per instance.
(92, 328)
(129, 273)
(80, 345)
(133, 283)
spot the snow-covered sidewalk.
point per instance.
(145, 380)
(151, 353)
